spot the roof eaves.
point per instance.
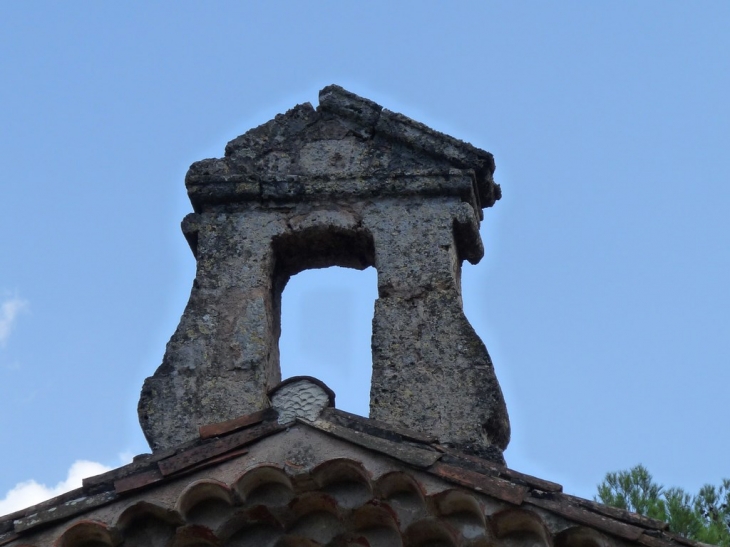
(376, 427)
(146, 470)
(412, 448)
(422, 458)
(488, 467)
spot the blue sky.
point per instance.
(603, 295)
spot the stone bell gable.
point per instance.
(347, 184)
(242, 459)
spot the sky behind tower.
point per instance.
(602, 297)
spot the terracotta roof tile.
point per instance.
(217, 446)
(595, 520)
(492, 486)
(216, 430)
(418, 457)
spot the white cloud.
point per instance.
(9, 311)
(29, 493)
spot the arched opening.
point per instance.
(326, 328)
(326, 308)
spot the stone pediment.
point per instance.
(348, 146)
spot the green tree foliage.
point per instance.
(704, 517)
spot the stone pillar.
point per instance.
(431, 372)
(223, 357)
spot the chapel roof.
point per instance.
(322, 477)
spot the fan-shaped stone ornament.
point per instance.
(347, 184)
(300, 397)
